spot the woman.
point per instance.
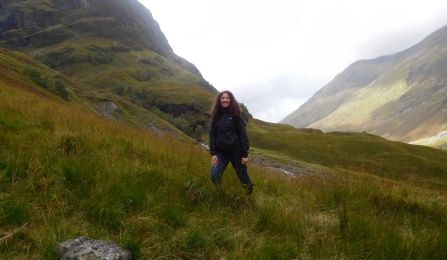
(228, 140)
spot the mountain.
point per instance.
(114, 47)
(400, 97)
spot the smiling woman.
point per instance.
(228, 140)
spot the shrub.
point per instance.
(199, 132)
(57, 87)
(36, 75)
(147, 61)
(144, 75)
(55, 59)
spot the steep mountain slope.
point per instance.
(400, 97)
(110, 46)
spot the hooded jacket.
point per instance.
(228, 133)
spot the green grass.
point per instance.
(66, 173)
(358, 152)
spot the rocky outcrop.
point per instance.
(84, 248)
(67, 5)
(23, 21)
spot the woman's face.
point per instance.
(225, 100)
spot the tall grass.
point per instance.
(65, 173)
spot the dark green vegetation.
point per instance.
(66, 172)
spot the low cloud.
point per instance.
(273, 100)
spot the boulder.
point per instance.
(84, 248)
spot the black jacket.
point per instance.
(228, 133)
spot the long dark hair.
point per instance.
(217, 109)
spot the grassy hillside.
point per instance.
(360, 152)
(66, 172)
(111, 46)
(142, 77)
(23, 72)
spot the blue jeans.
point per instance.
(235, 158)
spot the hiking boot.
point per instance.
(249, 188)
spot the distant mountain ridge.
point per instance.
(400, 97)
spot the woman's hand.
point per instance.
(214, 160)
(244, 160)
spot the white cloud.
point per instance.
(275, 54)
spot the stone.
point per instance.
(84, 248)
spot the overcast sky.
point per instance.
(275, 54)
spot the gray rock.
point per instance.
(84, 248)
